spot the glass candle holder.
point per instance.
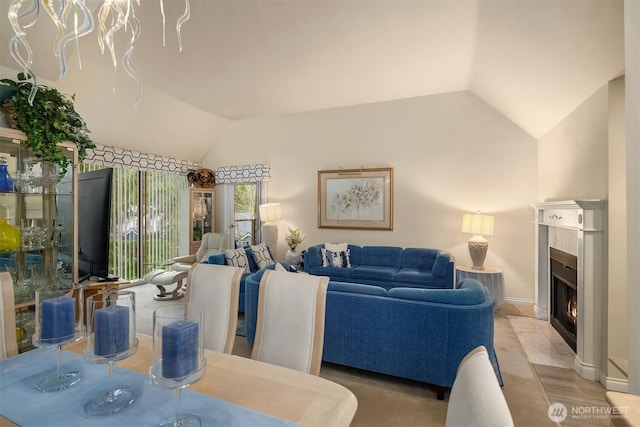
(178, 354)
(111, 336)
(56, 325)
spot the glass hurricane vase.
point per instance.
(56, 325)
(111, 336)
(178, 354)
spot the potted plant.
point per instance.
(294, 238)
(47, 121)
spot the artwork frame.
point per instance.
(356, 199)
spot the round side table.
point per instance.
(491, 277)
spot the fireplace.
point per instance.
(571, 297)
(564, 294)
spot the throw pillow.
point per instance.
(336, 247)
(261, 255)
(237, 258)
(335, 259)
(285, 267)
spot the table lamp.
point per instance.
(479, 226)
(270, 214)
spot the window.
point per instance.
(245, 207)
(152, 237)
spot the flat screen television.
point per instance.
(94, 224)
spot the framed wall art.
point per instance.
(356, 199)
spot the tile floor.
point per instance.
(543, 345)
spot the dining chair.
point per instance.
(8, 342)
(217, 288)
(476, 397)
(290, 323)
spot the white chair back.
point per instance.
(8, 342)
(476, 397)
(217, 288)
(290, 324)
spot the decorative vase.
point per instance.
(292, 257)
(6, 183)
(9, 236)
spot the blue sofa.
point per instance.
(419, 334)
(387, 266)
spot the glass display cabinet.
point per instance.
(37, 226)
(202, 213)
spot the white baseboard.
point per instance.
(615, 384)
(518, 301)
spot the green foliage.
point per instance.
(245, 198)
(294, 238)
(50, 120)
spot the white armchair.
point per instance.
(212, 243)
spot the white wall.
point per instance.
(616, 297)
(584, 157)
(572, 157)
(632, 145)
(451, 154)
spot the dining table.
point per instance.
(234, 391)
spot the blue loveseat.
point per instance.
(387, 266)
(419, 334)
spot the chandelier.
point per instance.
(73, 19)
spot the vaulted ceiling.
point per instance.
(533, 61)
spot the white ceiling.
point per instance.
(533, 61)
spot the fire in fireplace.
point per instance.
(564, 294)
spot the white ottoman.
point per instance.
(162, 278)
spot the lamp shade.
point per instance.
(270, 212)
(477, 224)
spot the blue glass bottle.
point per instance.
(6, 183)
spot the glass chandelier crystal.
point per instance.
(73, 19)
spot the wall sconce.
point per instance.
(270, 214)
(479, 226)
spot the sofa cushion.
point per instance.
(418, 258)
(237, 258)
(333, 272)
(472, 293)
(356, 288)
(385, 256)
(374, 272)
(414, 276)
(261, 255)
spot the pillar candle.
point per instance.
(57, 321)
(179, 349)
(111, 330)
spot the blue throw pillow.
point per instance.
(218, 259)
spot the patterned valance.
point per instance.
(242, 174)
(128, 159)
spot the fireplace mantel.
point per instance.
(576, 227)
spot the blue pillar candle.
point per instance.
(111, 330)
(179, 349)
(57, 320)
